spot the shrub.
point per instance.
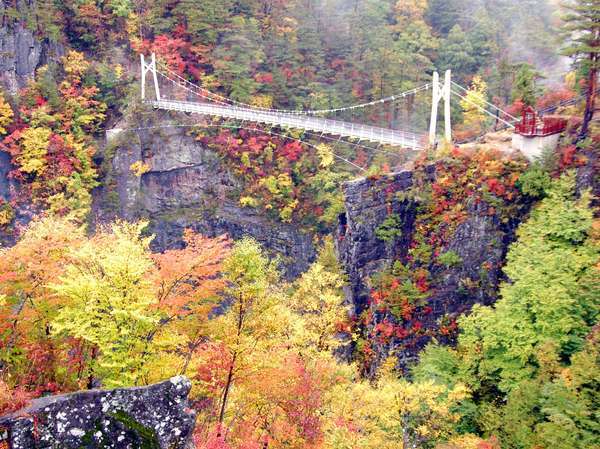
(390, 229)
(449, 259)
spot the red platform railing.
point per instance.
(532, 125)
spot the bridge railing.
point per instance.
(309, 123)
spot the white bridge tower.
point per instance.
(439, 92)
(149, 67)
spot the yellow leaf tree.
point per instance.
(108, 296)
(6, 114)
(473, 103)
(318, 302)
(34, 145)
(392, 413)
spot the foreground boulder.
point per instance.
(150, 417)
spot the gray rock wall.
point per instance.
(481, 241)
(5, 183)
(21, 52)
(361, 253)
(143, 417)
(188, 186)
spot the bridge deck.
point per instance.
(309, 123)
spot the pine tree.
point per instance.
(456, 53)
(524, 87)
(582, 42)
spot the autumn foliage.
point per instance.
(49, 140)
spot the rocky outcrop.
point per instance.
(21, 52)
(9, 188)
(588, 177)
(360, 251)
(188, 186)
(481, 243)
(143, 417)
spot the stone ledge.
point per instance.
(155, 416)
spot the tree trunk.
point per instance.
(226, 392)
(240, 325)
(591, 98)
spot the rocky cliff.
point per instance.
(479, 244)
(21, 51)
(184, 185)
(143, 417)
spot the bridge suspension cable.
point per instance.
(224, 100)
(482, 109)
(487, 102)
(305, 122)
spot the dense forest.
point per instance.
(88, 299)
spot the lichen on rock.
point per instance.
(152, 417)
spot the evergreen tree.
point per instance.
(551, 296)
(443, 15)
(237, 57)
(205, 20)
(524, 87)
(529, 358)
(582, 42)
(456, 54)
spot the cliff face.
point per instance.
(143, 417)
(5, 183)
(21, 53)
(480, 242)
(187, 186)
(360, 251)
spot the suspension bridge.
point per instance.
(211, 104)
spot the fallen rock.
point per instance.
(153, 417)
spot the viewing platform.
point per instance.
(534, 134)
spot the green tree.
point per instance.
(582, 42)
(551, 296)
(443, 15)
(524, 87)
(237, 58)
(521, 356)
(569, 402)
(205, 20)
(456, 53)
